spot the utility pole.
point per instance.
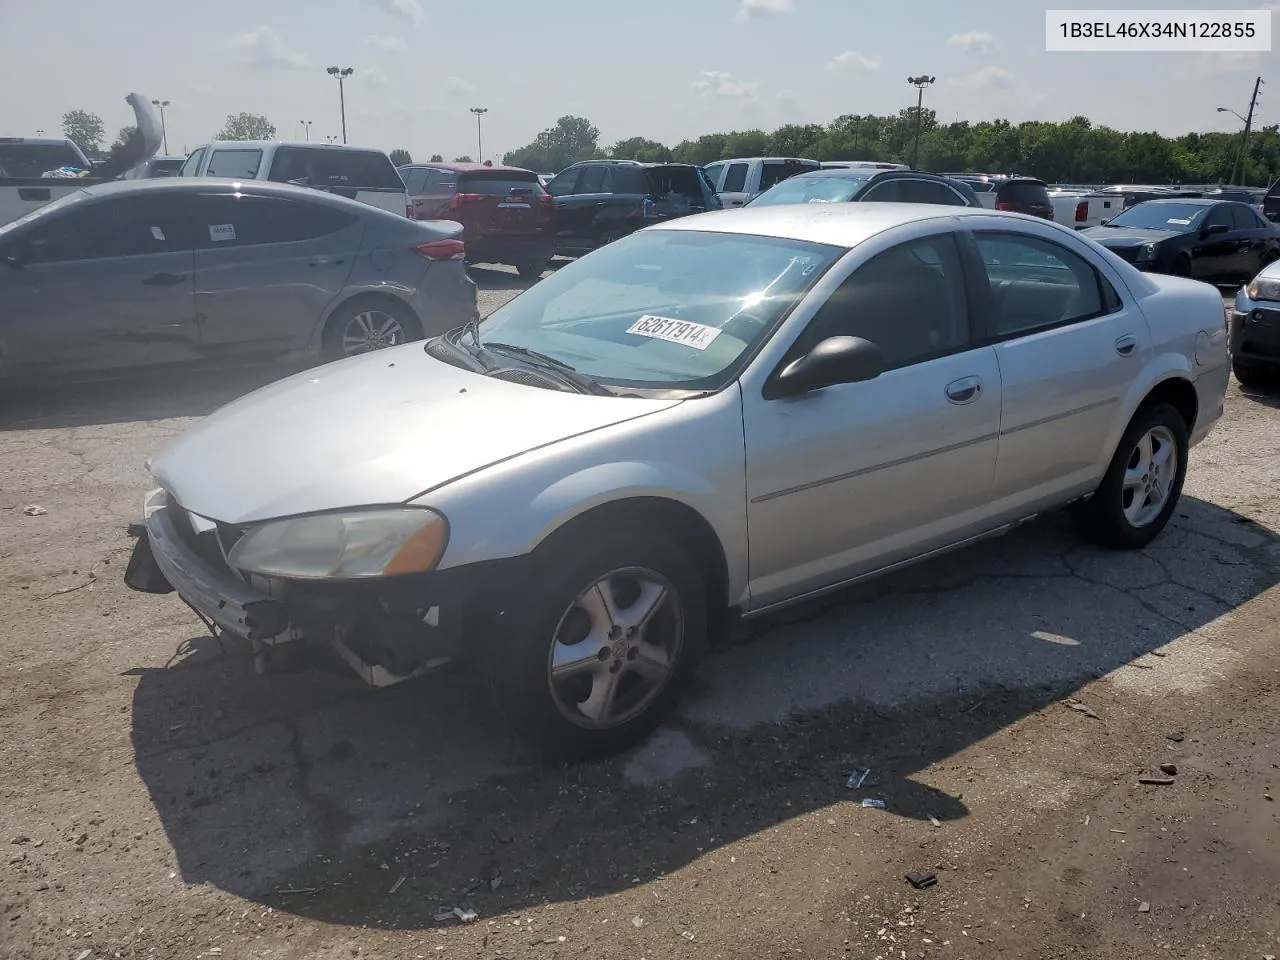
(1242, 156)
(340, 74)
(164, 133)
(919, 83)
(479, 112)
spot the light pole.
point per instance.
(306, 128)
(919, 83)
(1242, 157)
(164, 133)
(479, 112)
(340, 74)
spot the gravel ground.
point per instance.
(163, 801)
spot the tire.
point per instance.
(532, 269)
(1250, 374)
(559, 606)
(1181, 267)
(388, 322)
(1110, 517)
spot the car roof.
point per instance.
(463, 167)
(866, 173)
(643, 164)
(1187, 201)
(260, 188)
(276, 144)
(839, 224)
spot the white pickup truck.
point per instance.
(37, 171)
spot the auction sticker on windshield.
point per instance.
(696, 335)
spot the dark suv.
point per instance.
(1025, 195)
(597, 201)
(861, 185)
(505, 213)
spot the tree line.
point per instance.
(1074, 151)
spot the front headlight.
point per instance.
(1263, 288)
(1147, 252)
(356, 545)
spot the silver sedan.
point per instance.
(706, 420)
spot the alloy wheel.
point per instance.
(371, 330)
(1149, 476)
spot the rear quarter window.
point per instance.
(238, 164)
(348, 169)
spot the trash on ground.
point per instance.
(1144, 907)
(397, 885)
(35, 510)
(934, 820)
(465, 914)
(637, 922)
(1170, 768)
(1177, 736)
(1081, 708)
(687, 935)
(858, 777)
(1114, 830)
(84, 955)
(873, 803)
(922, 880)
(495, 883)
(1156, 781)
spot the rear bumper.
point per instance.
(445, 299)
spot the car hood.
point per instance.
(376, 429)
(1127, 236)
(143, 142)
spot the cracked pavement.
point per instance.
(163, 800)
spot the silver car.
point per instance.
(708, 419)
(143, 272)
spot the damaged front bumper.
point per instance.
(386, 631)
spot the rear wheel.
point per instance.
(532, 268)
(363, 326)
(1141, 487)
(594, 650)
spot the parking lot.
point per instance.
(164, 801)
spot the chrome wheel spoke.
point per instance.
(1149, 478)
(642, 609)
(604, 691)
(651, 662)
(599, 606)
(570, 660)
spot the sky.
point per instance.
(663, 69)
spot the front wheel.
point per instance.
(1250, 374)
(595, 649)
(533, 268)
(1181, 267)
(1141, 487)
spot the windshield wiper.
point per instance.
(579, 380)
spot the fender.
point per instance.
(1160, 368)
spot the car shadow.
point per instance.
(132, 397)
(315, 796)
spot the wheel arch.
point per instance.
(346, 300)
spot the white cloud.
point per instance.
(715, 83)
(751, 9)
(410, 10)
(854, 60)
(386, 44)
(975, 42)
(261, 48)
(988, 78)
(374, 76)
(457, 85)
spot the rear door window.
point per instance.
(594, 180)
(415, 181)
(927, 191)
(339, 168)
(1243, 218)
(237, 164)
(735, 180)
(886, 191)
(231, 221)
(775, 171)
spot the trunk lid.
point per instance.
(502, 203)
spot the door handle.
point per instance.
(965, 390)
(326, 261)
(1126, 345)
(165, 280)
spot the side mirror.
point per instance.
(1103, 223)
(834, 360)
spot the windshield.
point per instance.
(812, 190)
(662, 309)
(1160, 216)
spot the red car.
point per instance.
(505, 213)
